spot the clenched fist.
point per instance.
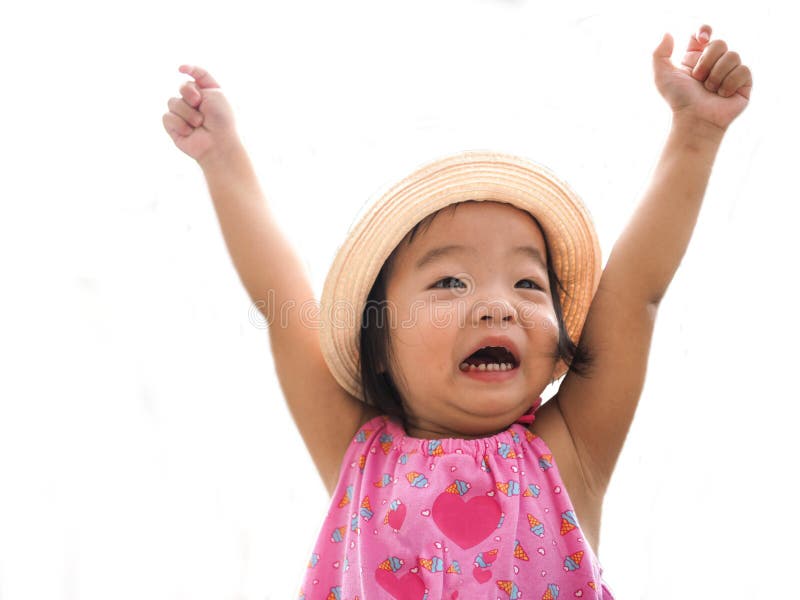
(201, 121)
(711, 85)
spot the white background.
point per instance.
(145, 447)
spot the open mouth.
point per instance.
(490, 358)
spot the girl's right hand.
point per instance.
(201, 121)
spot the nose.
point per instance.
(494, 309)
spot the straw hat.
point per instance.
(473, 175)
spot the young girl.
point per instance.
(454, 301)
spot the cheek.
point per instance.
(550, 325)
(424, 347)
(538, 316)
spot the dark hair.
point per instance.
(378, 387)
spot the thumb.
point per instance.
(663, 53)
(662, 65)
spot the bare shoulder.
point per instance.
(552, 429)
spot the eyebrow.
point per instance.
(435, 254)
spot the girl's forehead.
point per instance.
(486, 220)
(472, 224)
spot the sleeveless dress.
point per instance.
(424, 519)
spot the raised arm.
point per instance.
(201, 124)
(706, 92)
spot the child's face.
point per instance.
(437, 323)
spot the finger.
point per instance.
(203, 78)
(178, 106)
(175, 126)
(192, 117)
(727, 63)
(708, 59)
(738, 80)
(191, 94)
(696, 44)
(699, 39)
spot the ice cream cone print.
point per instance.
(395, 515)
(505, 450)
(354, 525)
(536, 525)
(384, 481)
(454, 567)
(551, 593)
(485, 463)
(573, 561)
(458, 487)
(362, 460)
(532, 490)
(335, 593)
(362, 435)
(312, 562)
(519, 551)
(485, 559)
(391, 564)
(529, 435)
(365, 504)
(433, 564)
(338, 534)
(510, 588)
(417, 479)
(348, 494)
(546, 461)
(435, 448)
(386, 442)
(510, 488)
(592, 585)
(568, 522)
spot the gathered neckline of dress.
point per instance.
(509, 437)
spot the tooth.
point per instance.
(465, 366)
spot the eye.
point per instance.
(448, 279)
(535, 285)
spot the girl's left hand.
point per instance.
(710, 85)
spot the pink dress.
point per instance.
(419, 519)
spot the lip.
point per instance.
(495, 340)
(490, 376)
